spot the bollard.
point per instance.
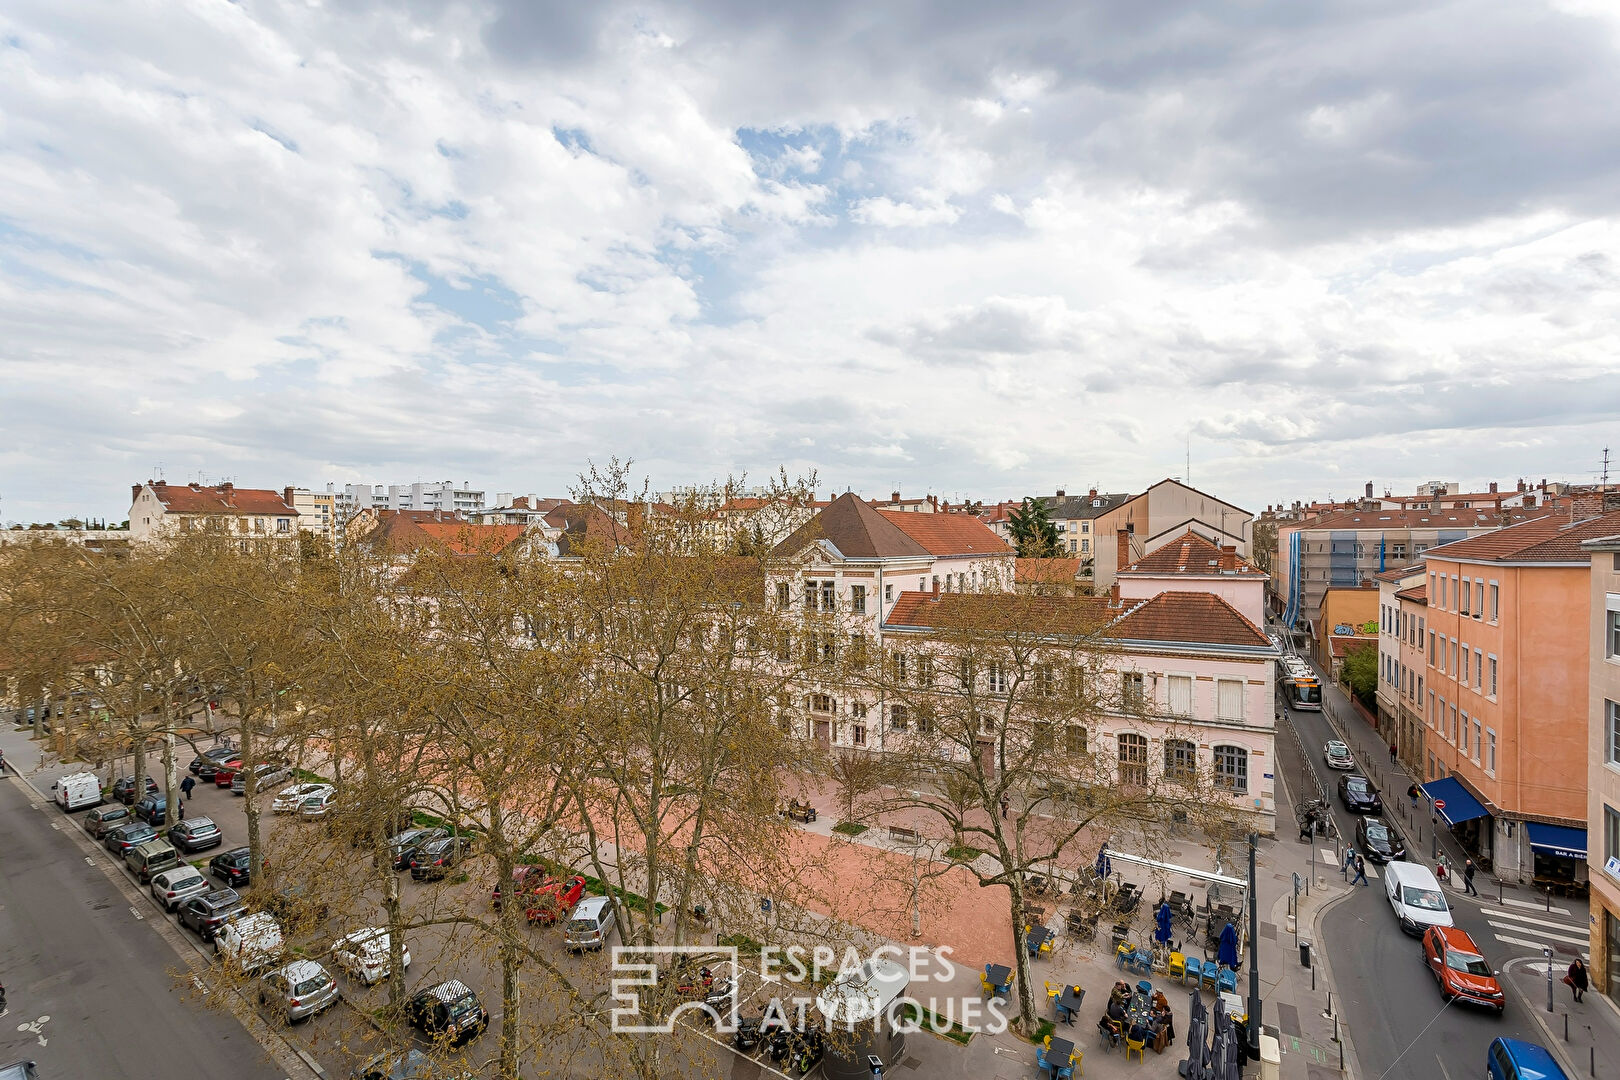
(1499, 891)
(1566, 1027)
(1313, 978)
(1549, 900)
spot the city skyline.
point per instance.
(974, 252)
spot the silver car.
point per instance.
(364, 954)
(317, 805)
(1337, 755)
(287, 801)
(297, 991)
(268, 773)
(171, 888)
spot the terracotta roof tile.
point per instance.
(944, 535)
(858, 531)
(1052, 571)
(1419, 595)
(1171, 617)
(1190, 617)
(220, 499)
(1339, 645)
(1191, 554)
(1546, 539)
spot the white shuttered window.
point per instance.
(1229, 699)
(1181, 695)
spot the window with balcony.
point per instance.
(1232, 769)
(1133, 759)
(1180, 761)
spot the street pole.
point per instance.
(1547, 952)
(1252, 1025)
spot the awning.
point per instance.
(1459, 805)
(1560, 840)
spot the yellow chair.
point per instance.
(1177, 968)
(1053, 991)
(1046, 946)
(1077, 1060)
(1047, 1042)
(984, 982)
(1135, 1046)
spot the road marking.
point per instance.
(133, 910)
(1537, 945)
(1532, 907)
(57, 825)
(1443, 1070)
(89, 861)
(1569, 939)
(1516, 917)
(1328, 855)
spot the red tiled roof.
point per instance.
(1546, 539)
(404, 531)
(1190, 617)
(1419, 595)
(461, 538)
(858, 531)
(1420, 519)
(1395, 575)
(219, 499)
(1192, 554)
(944, 535)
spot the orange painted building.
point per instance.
(1505, 693)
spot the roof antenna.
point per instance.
(1189, 461)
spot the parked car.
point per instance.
(526, 880)
(25, 1070)
(154, 809)
(551, 902)
(208, 771)
(227, 772)
(1378, 840)
(1358, 795)
(405, 844)
(154, 856)
(589, 925)
(77, 791)
(1337, 755)
(317, 806)
(296, 905)
(404, 1065)
(120, 840)
(434, 859)
(288, 799)
(265, 773)
(196, 834)
(213, 755)
(174, 887)
(123, 789)
(233, 867)
(207, 913)
(297, 991)
(1515, 1059)
(98, 821)
(250, 942)
(447, 1010)
(1461, 969)
(364, 955)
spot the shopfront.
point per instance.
(1559, 853)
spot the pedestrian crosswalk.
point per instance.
(1534, 932)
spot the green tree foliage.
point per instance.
(1032, 530)
(1360, 673)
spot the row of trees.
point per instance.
(630, 712)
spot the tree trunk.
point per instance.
(1026, 993)
(511, 947)
(170, 807)
(250, 789)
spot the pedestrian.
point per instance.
(1005, 803)
(1468, 878)
(1412, 793)
(186, 785)
(1576, 978)
(1349, 862)
(180, 811)
(1361, 872)
(1392, 753)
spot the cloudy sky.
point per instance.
(968, 248)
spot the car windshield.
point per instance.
(1357, 786)
(581, 924)
(462, 1005)
(1423, 899)
(1377, 833)
(186, 882)
(1467, 963)
(310, 985)
(1338, 749)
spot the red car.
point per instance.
(1460, 968)
(525, 879)
(227, 772)
(553, 901)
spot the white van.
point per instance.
(250, 942)
(77, 791)
(588, 927)
(1416, 896)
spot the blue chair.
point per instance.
(1040, 1059)
(1066, 1072)
(1211, 979)
(1142, 962)
(1144, 988)
(1226, 979)
(1194, 971)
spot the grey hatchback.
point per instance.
(196, 834)
(298, 991)
(104, 818)
(206, 914)
(120, 840)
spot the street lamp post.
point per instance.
(1253, 1022)
(1546, 951)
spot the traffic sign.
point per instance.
(1439, 804)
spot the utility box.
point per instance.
(1304, 953)
(1270, 1057)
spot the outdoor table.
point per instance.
(1068, 1003)
(1060, 1053)
(997, 975)
(1036, 912)
(1037, 937)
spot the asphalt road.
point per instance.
(72, 951)
(1400, 1027)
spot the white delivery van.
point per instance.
(250, 942)
(1416, 896)
(78, 791)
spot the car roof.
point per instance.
(591, 904)
(1535, 1062)
(299, 970)
(180, 873)
(221, 897)
(449, 991)
(194, 823)
(364, 935)
(1457, 938)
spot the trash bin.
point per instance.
(1270, 1057)
(1304, 953)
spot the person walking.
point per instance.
(1361, 872)
(1005, 803)
(1349, 862)
(180, 810)
(186, 785)
(1468, 878)
(1392, 753)
(1577, 979)
(1412, 793)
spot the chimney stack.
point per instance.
(1493, 487)
(936, 586)
(1122, 549)
(894, 497)
(1060, 493)
(1113, 590)
(135, 491)
(933, 500)
(1521, 483)
(1369, 489)
(1229, 558)
(287, 495)
(1092, 494)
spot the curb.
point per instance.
(1352, 1063)
(1553, 1043)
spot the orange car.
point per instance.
(1460, 968)
(553, 901)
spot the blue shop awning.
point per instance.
(1560, 840)
(1460, 806)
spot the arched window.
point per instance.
(1232, 769)
(1133, 759)
(1180, 760)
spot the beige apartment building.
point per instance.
(1603, 766)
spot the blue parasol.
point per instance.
(1228, 951)
(1162, 934)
